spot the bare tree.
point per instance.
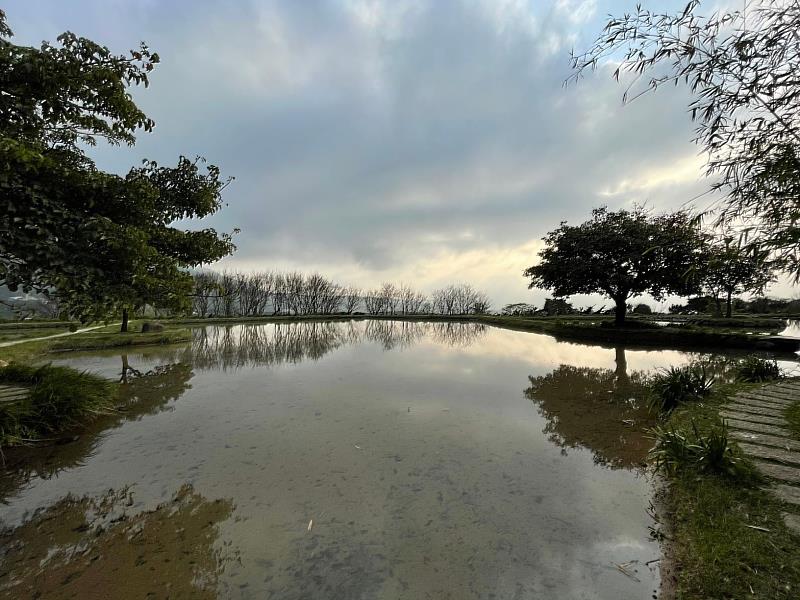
(373, 301)
(255, 290)
(351, 299)
(460, 299)
(279, 294)
(205, 288)
(390, 298)
(226, 302)
(294, 287)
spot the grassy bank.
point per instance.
(726, 536)
(58, 398)
(32, 324)
(99, 339)
(10, 334)
(102, 340)
(61, 398)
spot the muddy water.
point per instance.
(345, 460)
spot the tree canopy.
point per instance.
(620, 254)
(731, 269)
(102, 241)
(741, 67)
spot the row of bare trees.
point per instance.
(460, 299)
(230, 294)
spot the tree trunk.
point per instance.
(619, 311)
(125, 368)
(622, 365)
(124, 328)
(728, 306)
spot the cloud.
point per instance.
(376, 140)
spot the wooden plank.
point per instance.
(759, 427)
(760, 397)
(777, 396)
(792, 521)
(761, 402)
(766, 439)
(729, 414)
(756, 410)
(775, 454)
(780, 472)
(787, 493)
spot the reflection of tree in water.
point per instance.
(140, 394)
(238, 346)
(459, 335)
(393, 334)
(79, 548)
(603, 410)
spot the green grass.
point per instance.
(59, 398)
(99, 340)
(32, 324)
(8, 334)
(62, 398)
(714, 548)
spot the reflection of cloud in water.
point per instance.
(78, 548)
(409, 469)
(543, 350)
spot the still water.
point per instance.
(352, 460)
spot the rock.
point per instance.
(3, 363)
(151, 326)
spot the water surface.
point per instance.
(371, 459)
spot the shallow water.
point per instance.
(371, 459)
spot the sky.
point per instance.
(424, 142)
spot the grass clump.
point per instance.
(709, 452)
(677, 385)
(59, 398)
(756, 370)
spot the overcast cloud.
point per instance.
(420, 141)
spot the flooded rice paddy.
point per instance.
(352, 460)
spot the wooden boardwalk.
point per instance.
(756, 421)
(10, 393)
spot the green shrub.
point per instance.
(710, 453)
(675, 385)
(59, 398)
(642, 309)
(754, 370)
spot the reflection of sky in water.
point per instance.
(426, 470)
